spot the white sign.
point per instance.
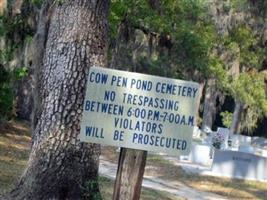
(139, 111)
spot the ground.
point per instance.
(15, 147)
(14, 152)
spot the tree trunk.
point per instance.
(236, 120)
(130, 173)
(16, 42)
(209, 104)
(74, 37)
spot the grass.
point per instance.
(14, 151)
(106, 188)
(15, 147)
(157, 166)
(229, 188)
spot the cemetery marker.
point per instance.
(139, 111)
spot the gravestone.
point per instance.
(196, 132)
(225, 132)
(207, 140)
(259, 141)
(235, 164)
(246, 148)
(244, 140)
(264, 153)
(234, 141)
(200, 154)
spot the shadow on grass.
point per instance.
(15, 127)
(14, 153)
(230, 188)
(10, 171)
(106, 189)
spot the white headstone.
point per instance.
(244, 140)
(246, 148)
(200, 154)
(234, 141)
(235, 164)
(264, 153)
(225, 132)
(196, 132)
(259, 141)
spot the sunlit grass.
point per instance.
(15, 148)
(159, 167)
(14, 151)
(230, 188)
(106, 188)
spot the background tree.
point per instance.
(180, 39)
(71, 37)
(210, 42)
(17, 27)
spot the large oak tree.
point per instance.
(71, 37)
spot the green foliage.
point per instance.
(251, 116)
(117, 12)
(196, 47)
(36, 3)
(250, 89)
(2, 27)
(193, 48)
(251, 55)
(5, 56)
(17, 25)
(19, 73)
(216, 69)
(7, 80)
(6, 94)
(94, 185)
(185, 23)
(227, 118)
(239, 5)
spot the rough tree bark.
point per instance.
(73, 35)
(236, 120)
(209, 104)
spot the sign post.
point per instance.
(139, 111)
(131, 168)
